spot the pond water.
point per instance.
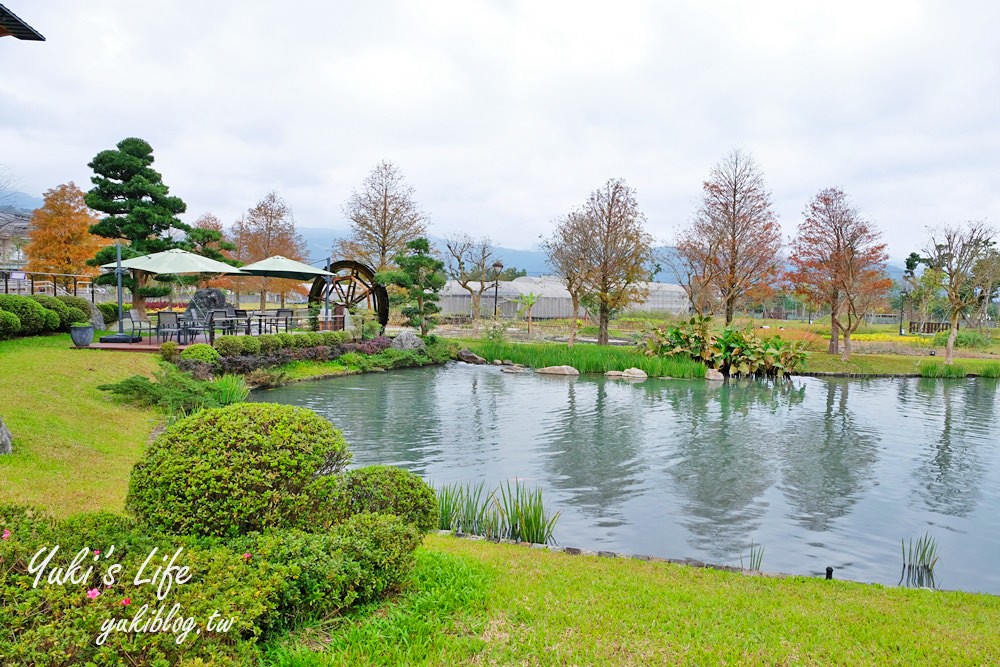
(821, 472)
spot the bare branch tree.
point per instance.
(954, 251)
(384, 218)
(734, 242)
(468, 262)
(567, 251)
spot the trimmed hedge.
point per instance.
(109, 311)
(202, 352)
(10, 325)
(228, 471)
(30, 313)
(381, 489)
(57, 306)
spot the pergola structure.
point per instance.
(11, 25)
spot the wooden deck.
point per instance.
(147, 345)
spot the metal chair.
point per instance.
(138, 324)
(167, 325)
(283, 318)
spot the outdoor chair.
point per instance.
(283, 318)
(137, 324)
(223, 321)
(168, 325)
(192, 326)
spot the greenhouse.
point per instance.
(553, 300)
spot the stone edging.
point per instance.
(574, 551)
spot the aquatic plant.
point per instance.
(512, 511)
(754, 559)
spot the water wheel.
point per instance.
(352, 285)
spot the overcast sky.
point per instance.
(505, 115)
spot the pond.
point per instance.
(821, 472)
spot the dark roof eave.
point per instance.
(10, 24)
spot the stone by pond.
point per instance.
(820, 471)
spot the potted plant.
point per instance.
(82, 333)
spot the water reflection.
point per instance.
(828, 459)
(819, 471)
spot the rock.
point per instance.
(558, 370)
(470, 357)
(408, 340)
(497, 362)
(205, 301)
(634, 373)
(507, 362)
(6, 439)
(613, 374)
(714, 375)
(512, 369)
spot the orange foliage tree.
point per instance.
(732, 249)
(838, 259)
(266, 230)
(59, 237)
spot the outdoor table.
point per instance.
(261, 318)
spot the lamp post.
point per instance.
(902, 298)
(497, 268)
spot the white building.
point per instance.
(553, 298)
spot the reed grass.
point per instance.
(230, 389)
(919, 559)
(990, 370)
(588, 358)
(511, 511)
(755, 559)
(934, 370)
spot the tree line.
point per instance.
(731, 253)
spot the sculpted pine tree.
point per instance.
(838, 260)
(955, 251)
(59, 238)
(208, 239)
(733, 246)
(384, 218)
(421, 277)
(138, 208)
(266, 230)
(470, 263)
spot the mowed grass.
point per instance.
(889, 364)
(474, 602)
(73, 446)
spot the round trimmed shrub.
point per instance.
(202, 352)
(10, 325)
(227, 471)
(169, 351)
(382, 489)
(269, 343)
(383, 545)
(51, 320)
(249, 345)
(77, 315)
(109, 311)
(287, 340)
(57, 306)
(229, 346)
(29, 312)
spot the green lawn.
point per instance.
(475, 602)
(73, 446)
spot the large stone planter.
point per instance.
(82, 336)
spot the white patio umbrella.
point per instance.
(282, 267)
(174, 261)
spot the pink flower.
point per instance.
(6, 534)
(97, 552)
(93, 593)
(126, 602)
(246, 557)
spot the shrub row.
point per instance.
(40, 314)
(231, 346)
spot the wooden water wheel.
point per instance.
(352, 285)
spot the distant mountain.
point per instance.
(21, 201)
(320, 242)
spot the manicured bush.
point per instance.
(334, 337)
(10, 325)
(109, 311)
(382, 489)
(170, 352)
(383, 545)
(202, 352)
(229, 346)
(236, 469)
(287, 340)
(76, 302)
(249, 345)
(174, 391)
(57, 306)
(269, 343)
(77, 315)
(64, 624)
(29, 312)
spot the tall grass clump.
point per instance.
(919, 559)
(990, 370)
(230, 389)
(511, 511)
(588, 358)
(934, 370)
(755, 558)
